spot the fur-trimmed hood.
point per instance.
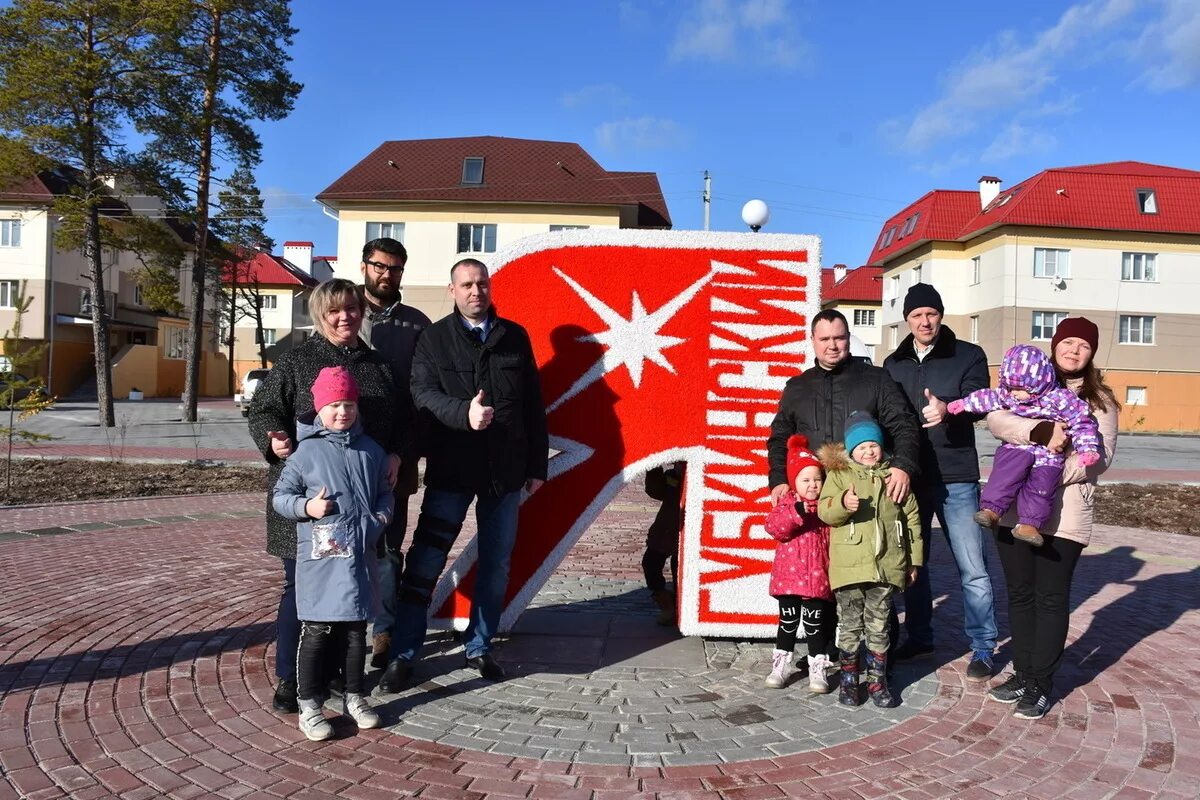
(833, 456)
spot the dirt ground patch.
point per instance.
(1158, 507)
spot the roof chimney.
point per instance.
(989, 187)
(300, 254)
(839, 273)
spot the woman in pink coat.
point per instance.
(800, 573)
(1039, 578)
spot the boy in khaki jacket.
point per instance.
(875, 548)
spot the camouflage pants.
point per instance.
(863, 612)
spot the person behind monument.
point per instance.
(391, 328)
(475, 380)
(932, 367)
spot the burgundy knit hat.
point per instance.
(798, 457)
(1080, 328)
(333, 384)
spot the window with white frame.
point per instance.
(888, 235)
(137, 294)
(554, 228)
(1051, 263)
(85, 301)
(176, 342)
(918, 270)
(975, 270)
(975, 328)
(268, 302)
(472, 173)
(893, 336)
(10, 233)
(1136, 329)
(894, 287)
(265, 336)
(1147, 202)
(385, 230)
(476, 238)
(1044, 323)
(1135, 395)
(8, 294)
(864, 317)
(910, 224)
(1138, 267)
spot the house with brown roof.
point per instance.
(448, 199)
(858, 294)
(147, 346)
(1118, 243)
(270, 295)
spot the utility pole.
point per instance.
(707, 198)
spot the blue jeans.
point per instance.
(954, 504)
(287, 626)
(442, 515)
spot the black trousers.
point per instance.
(323, 644)
(1039, 601)
(652, 568)
(805, 618)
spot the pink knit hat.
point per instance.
(333, 384)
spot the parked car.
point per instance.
(14, 388)
(249, 384)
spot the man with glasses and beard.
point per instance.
(392, 328)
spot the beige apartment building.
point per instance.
(858, 294)
(1118, 243)
(447, 199)
(147, 347)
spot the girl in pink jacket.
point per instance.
(800, 573)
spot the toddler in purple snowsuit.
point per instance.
(1029, 473)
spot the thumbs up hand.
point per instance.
(281, 443)
(934, 410)
(478, 415)
(319, 506)
(850, 500)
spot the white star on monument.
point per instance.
(630, 342)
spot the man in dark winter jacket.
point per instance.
(475, 378)
(817, 402)
(391, 328)
(933, 367)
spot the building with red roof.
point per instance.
(1117, 242)
(858, 294)
(449, 198)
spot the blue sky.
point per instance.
(836, 114)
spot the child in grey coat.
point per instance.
(336, 486)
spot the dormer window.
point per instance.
(472, 171)
(910, 224)
(1147, 203)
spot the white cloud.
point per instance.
(640, 134)
(603, 95)
(1009, 73)
(1173, 42)
(754, 31)
(1016, 140)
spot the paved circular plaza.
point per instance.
(136, 661)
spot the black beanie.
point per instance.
(922, 295)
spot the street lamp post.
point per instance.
(755, 214)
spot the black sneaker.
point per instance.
(1010, 691)
(1033, 703)
(911, 649)
(285, 698)
(980, 668)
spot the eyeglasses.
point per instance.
(382, 268)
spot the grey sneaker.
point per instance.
(358, 709)
(980, 668)
(1010, 691)
(313, 723)
(1033, 703)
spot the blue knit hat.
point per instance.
(862, 427)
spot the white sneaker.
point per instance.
(818, 682)
(781, 669)
(358, 709)
(313, 723)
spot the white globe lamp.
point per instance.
(755, 214)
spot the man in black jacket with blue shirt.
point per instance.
(475, 380)
(933, 367)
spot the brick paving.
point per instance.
(136, 661)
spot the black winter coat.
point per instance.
(450, 366)
(951, 372)
(286, 395)
(818, 401)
